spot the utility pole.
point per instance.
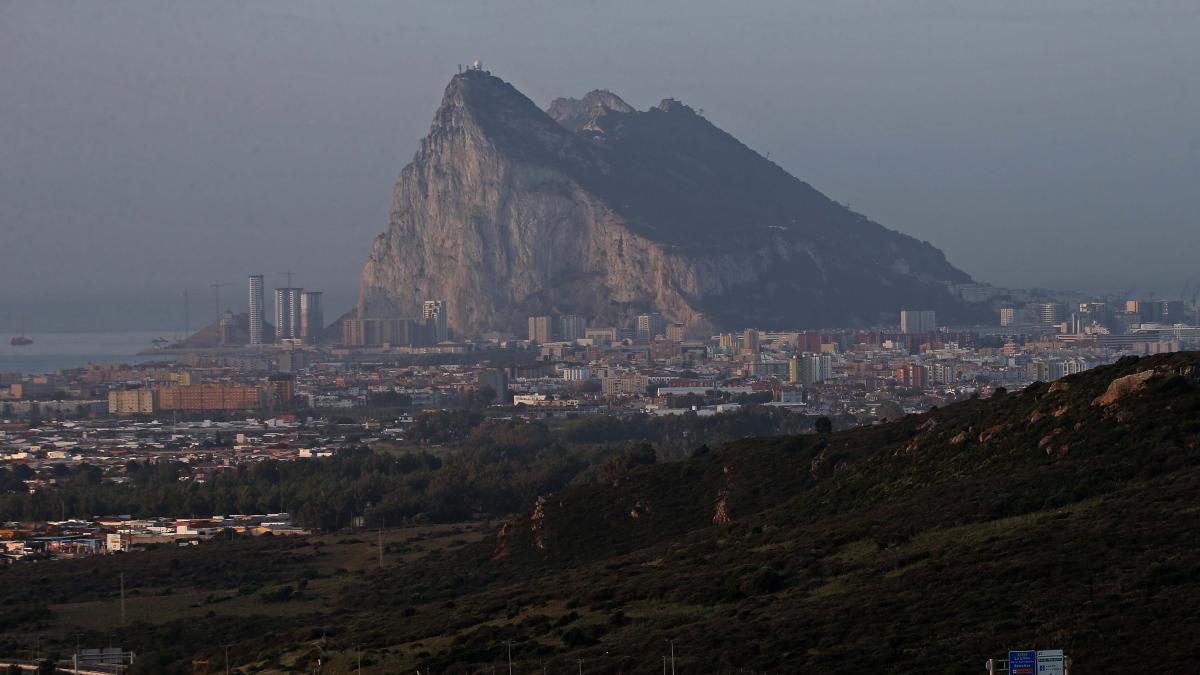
(509, 643)
(672, 641)
(226, 659)
(380, 546)
(122, 598)
(580, 666)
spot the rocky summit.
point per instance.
(597, 209)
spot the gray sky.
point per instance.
(147, 148)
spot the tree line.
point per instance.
(482, 468)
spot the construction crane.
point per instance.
(289, 274)
(217, 297)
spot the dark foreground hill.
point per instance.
(1064, 516)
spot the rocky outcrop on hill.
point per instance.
(600, 210)
(1122, 387)
(578, 113)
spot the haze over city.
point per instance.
(154, 148)
(599, 337)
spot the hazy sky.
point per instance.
(148, 148)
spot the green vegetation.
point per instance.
(928, 544)
(490, 467)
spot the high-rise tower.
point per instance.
(287, 313)
(434, 314)
(312, 321)
(256, 309)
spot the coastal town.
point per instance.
(679, 337)
(241, 399)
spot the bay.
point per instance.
(52, 351)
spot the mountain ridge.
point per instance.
(605, 211)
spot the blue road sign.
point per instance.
(1022, 663)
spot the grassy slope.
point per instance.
(897, 547)
(928, 544)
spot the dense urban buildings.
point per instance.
(639, 368)
(376, 332)
(650, 325)
(283, 401)
(572, 327)
(917, 321)
(436, 320)
(540, 329)
(1008, 316)
(430, 329)
(1050, 313)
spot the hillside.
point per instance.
(1066, 515)
(209, 336)
(597, 209)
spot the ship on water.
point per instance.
(20, 340)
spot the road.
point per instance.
(31, 667)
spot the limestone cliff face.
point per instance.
(603, 211)
(577, 113)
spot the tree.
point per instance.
(823, 425)
(890, 411)
(635, 455)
